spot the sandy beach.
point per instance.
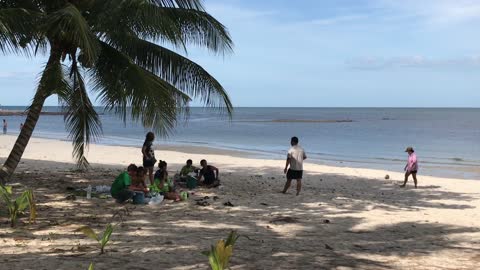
(345, 218)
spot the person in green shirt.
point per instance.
(120, 187)
(187, 169)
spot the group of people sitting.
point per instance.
(128, 184)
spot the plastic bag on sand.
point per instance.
(156, 200)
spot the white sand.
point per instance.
(373, 224)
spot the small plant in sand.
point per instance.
(101, 241)
(219, 255)
(18, 205)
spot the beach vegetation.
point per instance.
(18, 205)
(219, 254)
(103, 240)
(124, 53)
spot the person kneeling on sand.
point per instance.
(120, 187)
(209, 173)
(162, 183)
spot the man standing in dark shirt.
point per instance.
(209, 173)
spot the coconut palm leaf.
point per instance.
(176, 26)
(16, 33)
(127, 88)
(177, 70)
(68, 24)
(81, 119)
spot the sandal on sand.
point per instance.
(203, 203)
(228, 204)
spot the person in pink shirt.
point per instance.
(411, 167)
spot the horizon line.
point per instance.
(305, 107)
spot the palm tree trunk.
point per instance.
(31, 121)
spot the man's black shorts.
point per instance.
(293, 174)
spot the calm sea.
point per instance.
(447, 141)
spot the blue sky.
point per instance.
(352, 53)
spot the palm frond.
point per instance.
(179, 71)
(128, 89)
(177, 26)
(81, 119)
(52, 78)
(199, 28)
(70, 27)
(186, 4)
(17, 31)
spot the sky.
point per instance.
(329, 53)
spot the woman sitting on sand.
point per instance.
(162, 183)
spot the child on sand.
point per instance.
(163, 184)
(149, 159)
(138, 182)
(412, 166)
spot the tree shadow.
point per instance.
(321, 229)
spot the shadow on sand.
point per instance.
(324, 230)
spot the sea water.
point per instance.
(447, 140)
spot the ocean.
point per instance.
(447, 141)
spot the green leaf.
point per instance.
(91, 266)
(69, 26)
(81, 119)
(106, 235)
(231, 239)
(88, 232)
(17, 30)
(22, 202)
(128, 89)
(177, 70)
(32, 206)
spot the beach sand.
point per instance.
(345, 218)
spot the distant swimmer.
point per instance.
(5, 126)
(412, 166)
(295, 157)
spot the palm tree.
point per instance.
(111, 47)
